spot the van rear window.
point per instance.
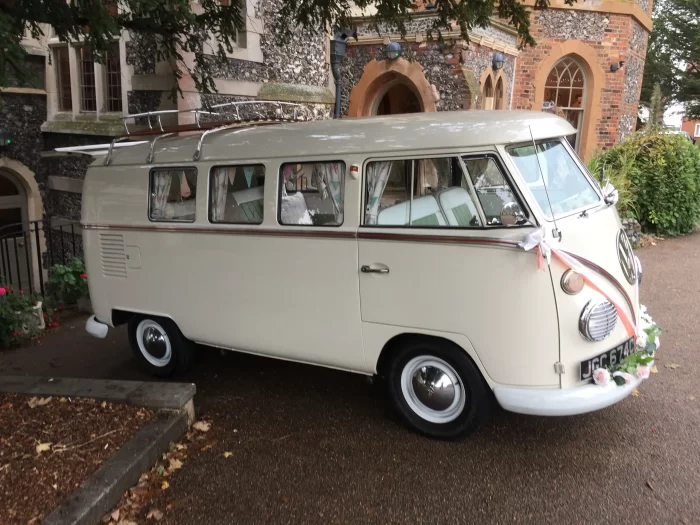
(311, 194)
(173, 195)
(236, 194)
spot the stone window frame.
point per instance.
(568, 61)
(488, 78)
(697, 130)
(100, 74)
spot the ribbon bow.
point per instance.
(545, 251)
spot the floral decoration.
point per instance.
(637, 364)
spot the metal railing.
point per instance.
(28, 251)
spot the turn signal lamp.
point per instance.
(572, 282)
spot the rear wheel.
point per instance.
(159, 346)
(437, 389)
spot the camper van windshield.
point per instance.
(569, 189)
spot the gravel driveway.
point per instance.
(311, 445)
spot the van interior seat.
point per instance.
(425, 211)
(458, 207)
(250, 201)
(294, 210)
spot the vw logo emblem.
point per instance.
(626, 256)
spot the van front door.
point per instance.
(430, 264)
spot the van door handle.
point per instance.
(368, 269)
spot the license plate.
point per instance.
(609, 358)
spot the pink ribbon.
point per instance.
(545, 251)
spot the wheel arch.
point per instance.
(397, 341)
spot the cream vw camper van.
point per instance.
(465, 257)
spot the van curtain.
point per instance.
(161, 190)
(221, 179)
(329, 179)
(377, 177)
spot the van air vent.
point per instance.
(113, 255)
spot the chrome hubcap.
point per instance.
(153, 343)
(432, 389)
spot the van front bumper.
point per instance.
(563, 402)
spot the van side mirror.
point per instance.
(512, 214)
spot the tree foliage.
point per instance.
(181, 26)
(673, 55)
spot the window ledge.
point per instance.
(112, 128)
(23, 90)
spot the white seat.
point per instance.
(424, 210)
(458, 206)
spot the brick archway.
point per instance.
(378, 76)
(586, 56)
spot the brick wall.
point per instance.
(606, 39)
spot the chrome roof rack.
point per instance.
(256, 113)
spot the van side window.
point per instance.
(491, 187)
(440, 194)
(311, 194)
(236, 194)
(173, 195)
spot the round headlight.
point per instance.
(598, 320)
(572, 282)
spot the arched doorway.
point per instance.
(565, 87)
(13, 203)
(500, 94)
(399, 98)
(391, 86)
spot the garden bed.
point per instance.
(49, 446)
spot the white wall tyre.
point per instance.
(159, 346)
(437, 389)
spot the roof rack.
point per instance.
(275, 114)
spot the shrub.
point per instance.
(16, 309)
(68, 283)
(658, 177)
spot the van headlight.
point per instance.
(572, 282)
(597, 321)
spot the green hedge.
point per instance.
(658, 177)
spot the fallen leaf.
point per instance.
(202, 426)
(672, 366)
(206, 447)
(180, 446)
(635, 393)
(43, 447)
(103, 404)
(228, 454)
(164, 485)
(115, 515)
(175, 464)
(691, 398)
(127, 522)
(154, 514)
(285, 499)
(161, 470)
(650, 485)
(38, 402)
(62, 400)
(654, 370)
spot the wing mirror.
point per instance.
(512, 214)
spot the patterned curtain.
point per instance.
(329, 181)
(161, 190)
(377, 177)
(248, 172)
(222, 176)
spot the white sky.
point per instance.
(674, 116)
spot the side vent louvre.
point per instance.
(113, 255)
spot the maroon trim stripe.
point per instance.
(327, 234)
(593, 266)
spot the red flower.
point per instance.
(14, 334)
(83, 276)
(21, 292)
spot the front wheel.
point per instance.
(159, 346)
(438, 390)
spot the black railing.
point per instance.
(28, 250)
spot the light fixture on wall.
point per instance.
(392, 50)
(498, 60)
(618, 65)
